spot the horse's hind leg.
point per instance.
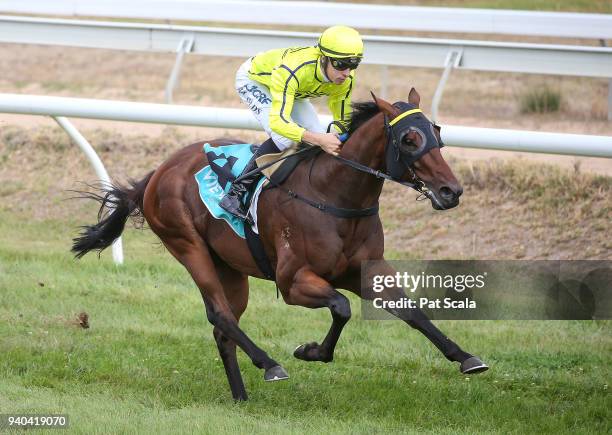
(194, 255)
(311, 291)
(236, 287)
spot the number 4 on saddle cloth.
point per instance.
(214, 181)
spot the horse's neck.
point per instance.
(345, 186)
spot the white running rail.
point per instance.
(468, 137)
(323, 14)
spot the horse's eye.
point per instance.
(408, 145)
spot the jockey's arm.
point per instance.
(283, 86)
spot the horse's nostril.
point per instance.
(447, 193)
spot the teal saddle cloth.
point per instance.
(214, 181)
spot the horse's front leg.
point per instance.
(418, 320)
(311, 291)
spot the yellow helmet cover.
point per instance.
(341, 42)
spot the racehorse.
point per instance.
(313, 250)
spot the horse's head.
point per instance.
(412, 151)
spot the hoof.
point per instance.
(310, 352)
(276, 373)
(302, 351)
(473, 365)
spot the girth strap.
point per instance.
(259, 254)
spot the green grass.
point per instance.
(149, 363)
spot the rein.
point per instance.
(419, 186)
(330, 209)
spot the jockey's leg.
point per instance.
(232, 202)
(258, 99)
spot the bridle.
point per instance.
(398, 161)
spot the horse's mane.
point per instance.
(361, 113)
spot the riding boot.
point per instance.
(232, 201)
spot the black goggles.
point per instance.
(344, 63)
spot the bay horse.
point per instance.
(312, 252)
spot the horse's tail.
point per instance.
(117, 204)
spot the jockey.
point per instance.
(276, 86)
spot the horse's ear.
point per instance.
(414, 98)
(384, 106)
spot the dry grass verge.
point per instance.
(510, 209)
